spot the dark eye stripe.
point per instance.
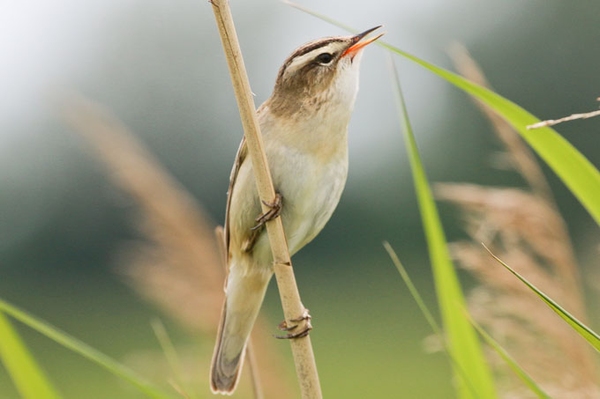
(307, 48)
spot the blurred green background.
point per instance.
(159, 66)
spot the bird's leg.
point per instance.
(272, 213)
(303, 332)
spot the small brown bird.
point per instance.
(304, 126)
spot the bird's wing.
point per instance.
(248, 242)
(239, 159)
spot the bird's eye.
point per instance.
(324, 58)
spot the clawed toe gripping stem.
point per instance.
(302, 332)
(273, 212)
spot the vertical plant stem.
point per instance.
(304, 360)
(251, 359)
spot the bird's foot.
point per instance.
(273, 212)
(303, 327)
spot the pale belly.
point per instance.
(311, 191)
(310, 200)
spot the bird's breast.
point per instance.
(309, 166)
(311, 185)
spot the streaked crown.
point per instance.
(320, 71)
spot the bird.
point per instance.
(304, 126)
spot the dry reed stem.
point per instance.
(532, 333)
(552, 122)
(527, 232)
(179, 267)
(530, 170)
(521, 155)
(181, 255)
(302, 351)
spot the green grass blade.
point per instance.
(84, 350)
(413, 290)
(522, 374)
(464, 345)
(574, 169)
(29, 379)
(160, 331)
(587, 333)
(427, 314)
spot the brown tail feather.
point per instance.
(245, 294)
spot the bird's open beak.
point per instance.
(357, 43)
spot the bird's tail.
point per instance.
(244, 296)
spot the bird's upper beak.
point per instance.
(356, 43)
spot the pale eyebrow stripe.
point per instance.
(301, 54)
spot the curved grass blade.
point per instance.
(427, 314)
(574, 169)
(413, 290)
(522, 374)
(160, 331)
(29, 379)
(464, 345)
(84, 350)
(587, 333)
